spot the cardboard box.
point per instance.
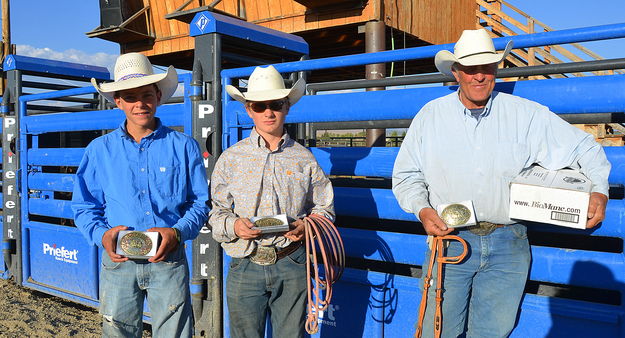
(556, 197)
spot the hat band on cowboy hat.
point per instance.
(475, 47)
(134, 70)
(266, 84)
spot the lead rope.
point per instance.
(436, 249)
(322, 239)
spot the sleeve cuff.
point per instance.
(230, 228)
(98, 233)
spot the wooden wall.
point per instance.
(433, 21)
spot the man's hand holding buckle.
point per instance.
(432, 223)
(169, 243)
(596, 209)
(243, 229)
(109, 242)
(296, 233)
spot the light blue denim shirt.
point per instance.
(448, 156)
(160, 182)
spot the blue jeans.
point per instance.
(481, 295)
(124, 286)
(253, 291)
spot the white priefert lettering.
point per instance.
(205, 109)
(61, 252)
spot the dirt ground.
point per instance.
(28, 313)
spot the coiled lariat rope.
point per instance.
(436, 253)
(322, 240)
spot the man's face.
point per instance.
(139, 105)
(476, 83)
(268, 116)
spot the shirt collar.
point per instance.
(259, 142)
(487, 107)
(157, 131)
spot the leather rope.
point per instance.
(322, 240)
(436, 248)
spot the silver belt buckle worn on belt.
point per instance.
(483, 228)
(264, 255)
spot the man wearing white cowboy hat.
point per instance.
(266, 174)
(142, 176)
(467, 146)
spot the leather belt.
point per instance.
(268, 255)
(484, 228)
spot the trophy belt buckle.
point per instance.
(484, 228)
(264, 255)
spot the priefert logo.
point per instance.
(61, 254)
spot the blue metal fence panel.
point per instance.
(60, 258)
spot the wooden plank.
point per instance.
(173, 27)
(503, 15)
(263, 9)
(251, 10)
(273, 9)
(162, 28)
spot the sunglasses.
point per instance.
(259, 107)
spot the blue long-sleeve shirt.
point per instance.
(449, 156)
(159, 182)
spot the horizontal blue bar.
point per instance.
(520, 41)
(58, 93)
(170, 115)
(209, 22)
(384, 246)
(53, 67)
(52, 182)
(379, 161)
(381, 204)
(559, 266)
(50, 207)
(592, 94)
(55, 156)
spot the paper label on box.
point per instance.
(555, 197)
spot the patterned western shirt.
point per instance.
(250, 180)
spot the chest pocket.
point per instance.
(166, 180)
(510, 159)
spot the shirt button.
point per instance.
(142, 149)
(142, 169)
(147, 212)
(143, 191)
(481, 214)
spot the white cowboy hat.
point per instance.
(266, 84)
(475, 47)
(133, 70)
